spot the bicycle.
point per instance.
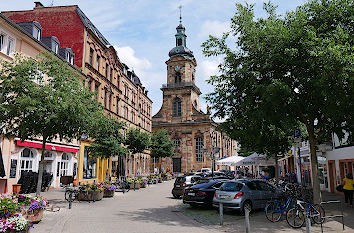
(295, 217)
(122, 185)
(275, 209)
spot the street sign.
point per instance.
(297, 133)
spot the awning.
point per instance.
(229, 161)
(256, 159)
(2, 169)
(47, 146)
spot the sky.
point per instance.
(142, 31)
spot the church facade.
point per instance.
(193, 132)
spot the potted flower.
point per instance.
(15, 224)
(108, 189)
(143, 183)
(34, 208)
(91, 192)
(134, 184)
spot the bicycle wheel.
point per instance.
(67, 195)
(272, 212)
(295, 217)
(317, 213)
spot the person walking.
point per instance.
(348, 186)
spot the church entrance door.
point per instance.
(176, 164)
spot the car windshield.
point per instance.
(231, 186)
(180, 179)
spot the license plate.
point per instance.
(191, 194)
(222, 196)
(177, 185)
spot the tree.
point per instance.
(108, 139)
(299, 67)
(161, 146)
(44, 99)
(137, 141)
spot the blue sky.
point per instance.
(143, 32)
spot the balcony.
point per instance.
(181, 84)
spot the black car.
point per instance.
(201, 194)
(183, 182)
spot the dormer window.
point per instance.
(55, 47)
(36, 33)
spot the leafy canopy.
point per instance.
(137, 140)
(284, 70)
(108, 139)
(161, 146)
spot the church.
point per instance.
(193, 132)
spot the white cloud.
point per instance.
(214, 28)
(127, 56)
(209, 68)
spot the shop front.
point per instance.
(19, 156)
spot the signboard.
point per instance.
(13, 168)
(297, 133)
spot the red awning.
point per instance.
(47, 146)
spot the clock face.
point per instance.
(177, 68)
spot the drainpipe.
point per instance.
(84, 58)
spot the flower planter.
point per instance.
(34, 216)
(89, 197)
(14, 231)
(143, 185)
(16, 188)
(137, 185)
(108, 193)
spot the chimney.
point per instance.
(38, 5)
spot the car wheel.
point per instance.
(246, 205)
(176, 196)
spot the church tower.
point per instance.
(180, 115)
(180, 94)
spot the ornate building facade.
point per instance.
(193, 131)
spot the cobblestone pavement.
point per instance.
(146, 210)
(153, 210)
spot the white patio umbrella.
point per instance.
(255, 159)
(229, 161)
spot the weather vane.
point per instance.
(180, 14)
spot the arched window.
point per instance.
(178, 78)
(64, 164)
(179, 42)
(177, 111)
(27, 160)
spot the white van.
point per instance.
(206, 170)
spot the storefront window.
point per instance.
(64, 165)
(27, 160)
(89, 165)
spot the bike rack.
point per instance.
(333, 216)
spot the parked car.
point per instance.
(201, 194)
(239, 194)
(182, 182)
(205, 170)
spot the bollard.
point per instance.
(94, 196)
(70, 199)
(221, 212)
(134, 185)
(247, 219)
(308, 223)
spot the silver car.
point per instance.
(238, 194)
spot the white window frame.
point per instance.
(39, 33)
(5, 43)
(2, 42)
(27, 163)
(65, 164)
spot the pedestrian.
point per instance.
(348, 187)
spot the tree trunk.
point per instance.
(314, 166)
(41, 168)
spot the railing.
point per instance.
(181, 84)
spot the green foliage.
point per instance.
(137, 140)
(161, 145)
(285, 70)
(44, 98)
(109, 141)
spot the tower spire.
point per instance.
(180, 14)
